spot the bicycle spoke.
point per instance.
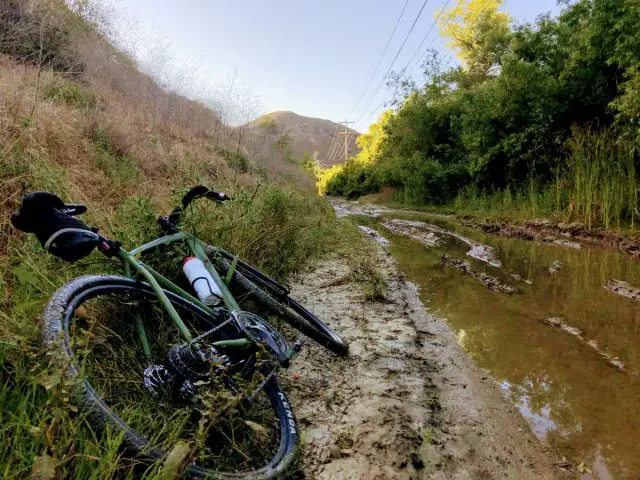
(106, 342)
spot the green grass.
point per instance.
(120, 168)
(362, 258)
(599, 188)
(70, 93)
(277, 228)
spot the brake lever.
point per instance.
(167, 225)
(218, 196)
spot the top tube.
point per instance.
(166, 240)
(197, 247)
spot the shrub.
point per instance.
(276, 228)
(235, 160)
(40, 32)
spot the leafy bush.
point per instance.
(236, 160)
(505, 120)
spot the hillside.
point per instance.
(307, 134)
(79, 119)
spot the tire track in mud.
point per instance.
(407, 402)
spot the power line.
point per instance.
(448, 54)
(334, 153)
(435, 22)
(373, 112)
(424, 39)
(415, 21)
(447, 57)
(375, 70)
(334, 142)
(347, 136)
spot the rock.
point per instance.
(555, 266)
(489, 281)
(623, 288)
(335, 451)
(567, 243)
(554, 321)
(371, 233)
(416, 461)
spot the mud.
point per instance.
(412, 230)
(491, 282)
(560, 323)
(416, 230)
(353, 207)
(407, 403)
(623, 288)
(573, 235)
(375, 236)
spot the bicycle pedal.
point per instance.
(293, 352)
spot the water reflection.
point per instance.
(540, 417)
(572, 397)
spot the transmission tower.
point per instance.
(347, 134)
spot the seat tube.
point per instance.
(199, 252)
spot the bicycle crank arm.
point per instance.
(291, 354)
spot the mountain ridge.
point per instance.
(309, 135)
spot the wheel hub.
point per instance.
(185, 365)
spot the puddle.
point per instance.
(569, 387)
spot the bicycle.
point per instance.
(165, 365)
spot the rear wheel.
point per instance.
(275, 298)
(238, 426)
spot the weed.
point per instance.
(599, 188)
(362, 257)
(120, 168)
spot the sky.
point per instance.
(309, 56)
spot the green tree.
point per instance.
(478, 31)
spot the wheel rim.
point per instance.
(102, 347)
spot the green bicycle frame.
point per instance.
(132, 265)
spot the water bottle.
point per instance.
(201, 281)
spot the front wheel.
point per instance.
(235, 427)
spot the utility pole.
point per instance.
(346, 134)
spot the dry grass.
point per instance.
(106, 135)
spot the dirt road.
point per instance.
(408, 402)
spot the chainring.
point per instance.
(261, 332)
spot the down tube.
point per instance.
(166, 303)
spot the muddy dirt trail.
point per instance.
(408, 402)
